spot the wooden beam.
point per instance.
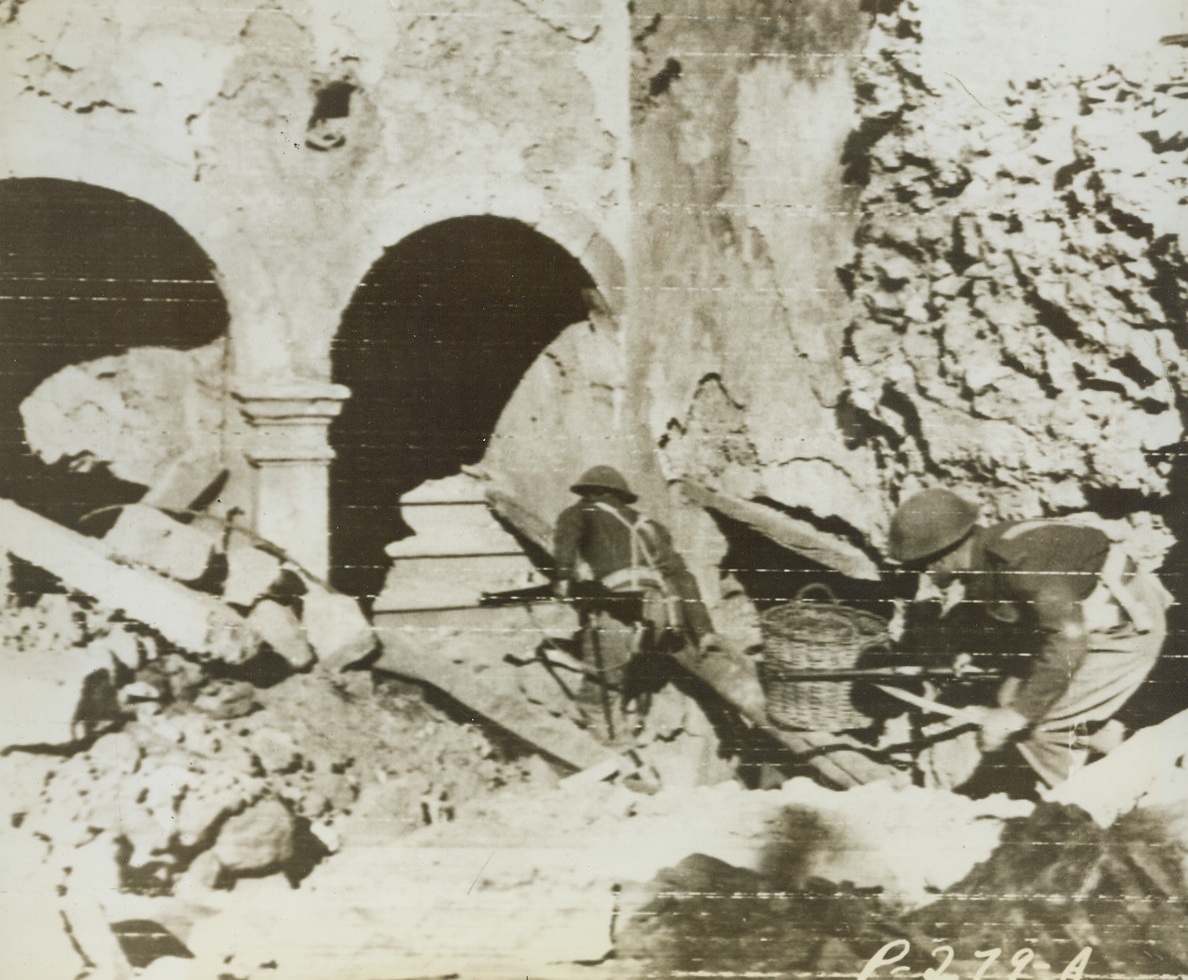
(788, 532)
(192, 620)
(507, 709)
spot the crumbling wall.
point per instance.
(567, 414)
(742, 219)
(296, 140)
(135, 413)
(1019, 283)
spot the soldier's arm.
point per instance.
(566, 540)
(1063, 642)
(671, 565)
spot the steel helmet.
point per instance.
(930, 522)
(604, 478)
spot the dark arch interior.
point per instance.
(86, 272)
(432, 345)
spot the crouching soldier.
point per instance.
(1090, 625)
(634, 592)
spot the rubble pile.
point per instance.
(550, 882)
(132, 767)
(298, 618)
(1019, 275)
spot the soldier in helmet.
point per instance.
(1090, 624)
(636, 593)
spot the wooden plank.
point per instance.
(507, 709)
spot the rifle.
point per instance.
(518, 597)
(907, 671)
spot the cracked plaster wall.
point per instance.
(741, 110)
(1019, 280)
(517, 108)
(568, 411)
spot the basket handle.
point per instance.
(806, 591)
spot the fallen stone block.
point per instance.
(258, 840)
(186, 483)
(336, 628)
(123, 646)
(275, 750)
(145, 536)
(281, 629)
(199, 624)
(208, 803)
(252, 574)
(53, 698)
(225, 699)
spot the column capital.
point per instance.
(290, 402)
(289, 421)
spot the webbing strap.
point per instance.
(1112, 576)
(639, 544)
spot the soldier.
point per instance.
(1090, 623)
(635, 593)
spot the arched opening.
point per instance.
(87, 273)
(433, 344)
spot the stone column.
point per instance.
(288, 446)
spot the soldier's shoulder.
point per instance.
(1041, 543)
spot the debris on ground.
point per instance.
(146, 769)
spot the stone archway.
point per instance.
(87, 275)
(433, 345)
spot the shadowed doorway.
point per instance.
(432, 346)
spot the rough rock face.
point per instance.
(1019, 280)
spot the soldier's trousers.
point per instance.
(1116, 665)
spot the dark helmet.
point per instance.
(604, 478)
(930, 522)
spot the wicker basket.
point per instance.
(807, 634)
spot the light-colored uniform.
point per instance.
(1093, 624)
